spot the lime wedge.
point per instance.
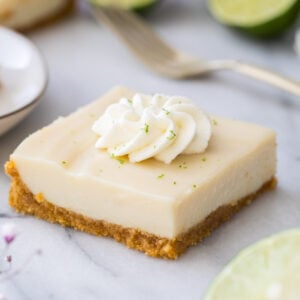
(137, 5)
(258, 17)
(268, 270)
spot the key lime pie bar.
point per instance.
(153, 172)
(25, 14)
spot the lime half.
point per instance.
(258, 17)
(138, 5)
(268, 270)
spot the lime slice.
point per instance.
(268, 270)
(258, 17)
(137, 5)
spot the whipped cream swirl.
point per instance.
(157, 126)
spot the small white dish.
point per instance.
(23, 78)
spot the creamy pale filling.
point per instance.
(23, 14)
(61, 162)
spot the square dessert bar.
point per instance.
(161, 209)
(29, 14)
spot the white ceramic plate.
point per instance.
(23, 78)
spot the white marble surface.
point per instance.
(84, 61)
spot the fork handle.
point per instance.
(258, 73)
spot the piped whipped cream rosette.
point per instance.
(157, 126)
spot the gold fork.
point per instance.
(167, 61)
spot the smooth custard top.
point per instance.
(69, 143)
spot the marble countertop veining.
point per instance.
(84, 61)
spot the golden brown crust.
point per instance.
(6, 15)
(23, 201)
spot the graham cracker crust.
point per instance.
(23, 201)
